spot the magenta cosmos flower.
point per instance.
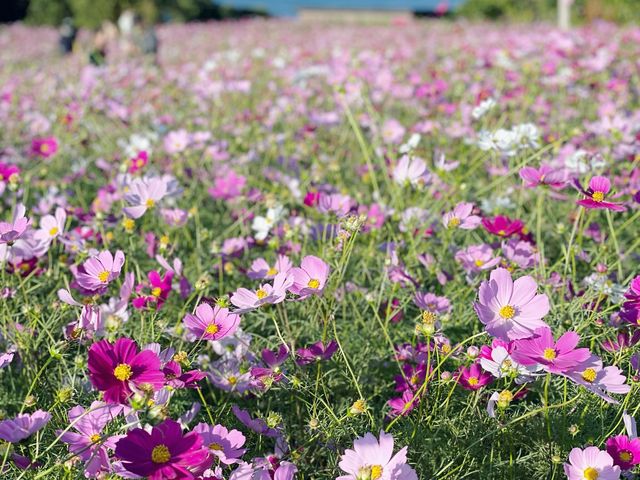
(625, 451)
(114, 368)
(461, 217)
(502, 226)
(226, 445)
(473, 377)
(23, 426)
(44, 147)
(595, 195)
(590, 464)
(510, 310)
(164, 453)
(310, 278)
(374, 460)
(545, 175)
(211, 323)
(98, 271)
(554, 357)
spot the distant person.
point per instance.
(105, 35)
(126, 26)
(68, 33)
(149, 42)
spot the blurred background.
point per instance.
(92, 13)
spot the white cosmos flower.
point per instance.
(263, 225)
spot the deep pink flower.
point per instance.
(316, 352)
(164, 453)
(256, 424)
(138, 162)
(625, 451)
(44, 147)
(211, 323)
(595, 195)
(116, 368)
(310, 278)
(510, 310)
(226, 445)
(473, 377)
(502, 226)
(545, 175)
(403, 405)
(175, 378)
(554, 357)
(9, 172)
(155, 292)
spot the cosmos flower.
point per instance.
(502, 226)
(23, 425)
(412, 171)
(88, 441)
(545, 175)
(11, 231)
(263, 225)
(374, 459)
(117, 368)
(44, 147)
(256, 424)
(404, 404)
(227, 185)
(476, 258)
(473, 377)
(211, 323)
(590, 464)
(596, 194)
(143, 194)
(261, 269)
(100, 270)
(155, 292)
(461, 217)
(316, 352)
(559, 356)
(598, 379)
(163, 453)
(310, 278)
(52, 226)
(510, 310)
(625, 451)
(500, 364)
(226, 445)
(247, 300)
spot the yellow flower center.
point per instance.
(160, 454)
(122, 372)
(454, 222)
(44, 148)
(232, 380)
(597, 196)
(446, 348)
(502, 232)
(139, 163)
(589, 375)
(626, 456)
(479, 263)
(272, 271)
(95, 438)
(507, 312)
(128, 224)
(473, 381)
(549, 354)
(261, 294)
(313, 283)
(429, 318)
(504, 398)
(212, 329)
(215, 446)
(590, 473)
(376, 472)
(103, 276)
(156, 292)
(53, 231)
(150, 203)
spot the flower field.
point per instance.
(287, 250)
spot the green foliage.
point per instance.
(47, 12)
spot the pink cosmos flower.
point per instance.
(473, 377)
(591, 464)
(44, 147)
(100, 270)
(402, 405)
(227, 186)
(554, 357)
(226, 445)
(598, 379)
(545, 175)
(595, 195)
(50, 226)
(461, 217)
(476, 258)
(23, 426)
(247, 300)
(114, 368)
(310, 278)
(211, 323)
(411, 171)
(144, 194)
(177, 141)
(164, 453)
(334, 203)
(374, 459)
(261, 269)
(502, 226)
(625, 451)
(87, 441)
(11, 231)
(392, 131)
(521, 253)
(510, 310)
